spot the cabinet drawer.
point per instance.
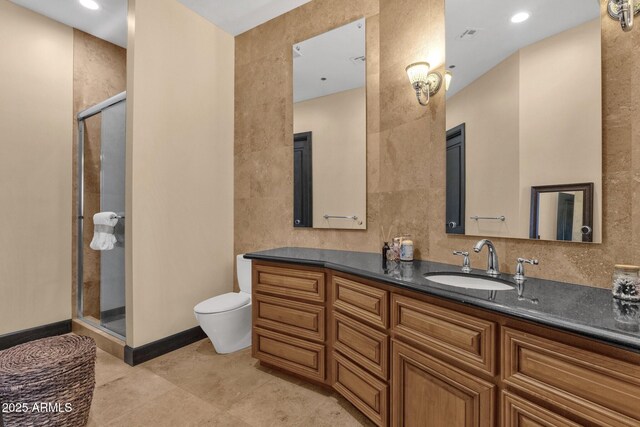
(362, 344)
(518, 412)
(366, 392)
(465, 338)
(289, 282)
(601, 389)
(363, 302)
(293, 354)
(296, 318)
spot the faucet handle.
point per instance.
(466, 264)
(520, 267)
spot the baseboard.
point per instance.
(112, 313)
(137, 355)
(26, 335)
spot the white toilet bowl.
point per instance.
(226, 318)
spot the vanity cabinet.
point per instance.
(602, 389)
(289, 320)
(405, 358)
(360, 340)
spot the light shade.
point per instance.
(447, 79)
(418, 72)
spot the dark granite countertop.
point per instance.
(584, 310)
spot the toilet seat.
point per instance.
(221, 303)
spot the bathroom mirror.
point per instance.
(524, 111)
(562, 212)
(329, 124)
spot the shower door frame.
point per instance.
(81, 117)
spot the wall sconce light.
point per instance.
(447, 79)
(624, 11)
(425, 83)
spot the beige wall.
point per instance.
(99, 72)
(561, 141)
(400, 132)
(338, 123)
(489, 108)
(35, 169)
(509, 117)
(180, 167)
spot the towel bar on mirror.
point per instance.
(353, 217)
(497, 218)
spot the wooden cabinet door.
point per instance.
(430, 393)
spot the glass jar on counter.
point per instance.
(626, 282)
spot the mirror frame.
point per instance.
(587, 211)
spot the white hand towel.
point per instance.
(103, 231)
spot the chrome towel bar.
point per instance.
(353, 217)
(497, 218)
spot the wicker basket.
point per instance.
(48, 382)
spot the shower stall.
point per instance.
(100, 181)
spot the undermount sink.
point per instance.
(469, 282)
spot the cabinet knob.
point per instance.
(452, 224)
(297, 222)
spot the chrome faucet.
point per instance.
(519, 276)
(492, 257)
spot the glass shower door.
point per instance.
(101, 188)
(112, 197)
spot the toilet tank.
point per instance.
(243, 267)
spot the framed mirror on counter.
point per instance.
(329, 125)
(562, 212)
(524, 119)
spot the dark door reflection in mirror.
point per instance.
(562, 212)
(302, 180)
(455, 180)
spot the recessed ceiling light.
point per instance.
(520, 17)
(90, 4)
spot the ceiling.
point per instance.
(108, 23)
(498, 37)
(337, 55)
(238, 16)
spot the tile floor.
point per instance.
(195, 386)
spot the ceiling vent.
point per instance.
(358, 59)
(469, 34)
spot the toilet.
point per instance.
(226, 318)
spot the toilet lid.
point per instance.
(224, 302)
